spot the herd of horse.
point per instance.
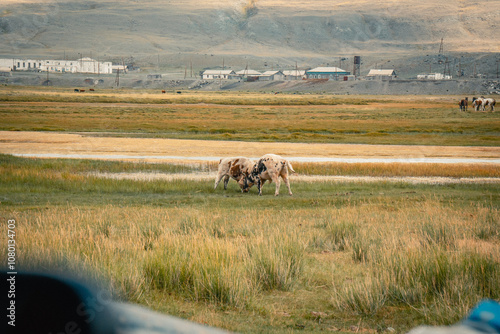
(479, 104)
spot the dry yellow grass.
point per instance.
(217, 258)
(19, 142)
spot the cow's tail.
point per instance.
(290, 166)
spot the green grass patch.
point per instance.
(249, 117)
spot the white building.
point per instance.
(295, 74)
(218, 74)
(272, 75)
(379, 74)
(434, 76)
(82, 65)
(328, 73)
(248, 73)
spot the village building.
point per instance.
(154, 76)
(5, 71)
(218, 74)
(379, 74)
(272, 75)
(121, 68)
(329, 73)
(294, 74)
(248, 73)
(82, 65)
(434, 76)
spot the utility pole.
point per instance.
(446, 67)
(117, 80)
(441, 46)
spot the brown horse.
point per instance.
(463, 104)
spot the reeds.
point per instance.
(429, 265)
(349, 250)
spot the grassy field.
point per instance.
(333, 256)
(249, 117)
(337, 256)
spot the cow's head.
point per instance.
(249, 179)
(244, 184)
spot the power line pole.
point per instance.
(117, 80)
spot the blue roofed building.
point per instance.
(328, 73)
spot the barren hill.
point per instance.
(284, 30)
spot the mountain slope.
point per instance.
(264, 28)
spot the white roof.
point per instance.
(376, 72)
(248, 72)
(295, 72)
(326, 69)
(218, 72)
(271, 72)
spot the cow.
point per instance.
(237, 168)
(269, 168)
(463, 104)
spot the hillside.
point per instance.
(280, 31)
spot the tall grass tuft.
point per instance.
(277, 262)
(363, 298)
(201, 269)
(438, 233)
(342, 234)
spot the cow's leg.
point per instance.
(284, 176)
(287, 182)
(259, 186)
(276, 179)
(226, 180)
(217, 180)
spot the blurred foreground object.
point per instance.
(41, 303)
(484, 318)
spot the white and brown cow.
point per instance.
(269, 168)
(237, 168)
